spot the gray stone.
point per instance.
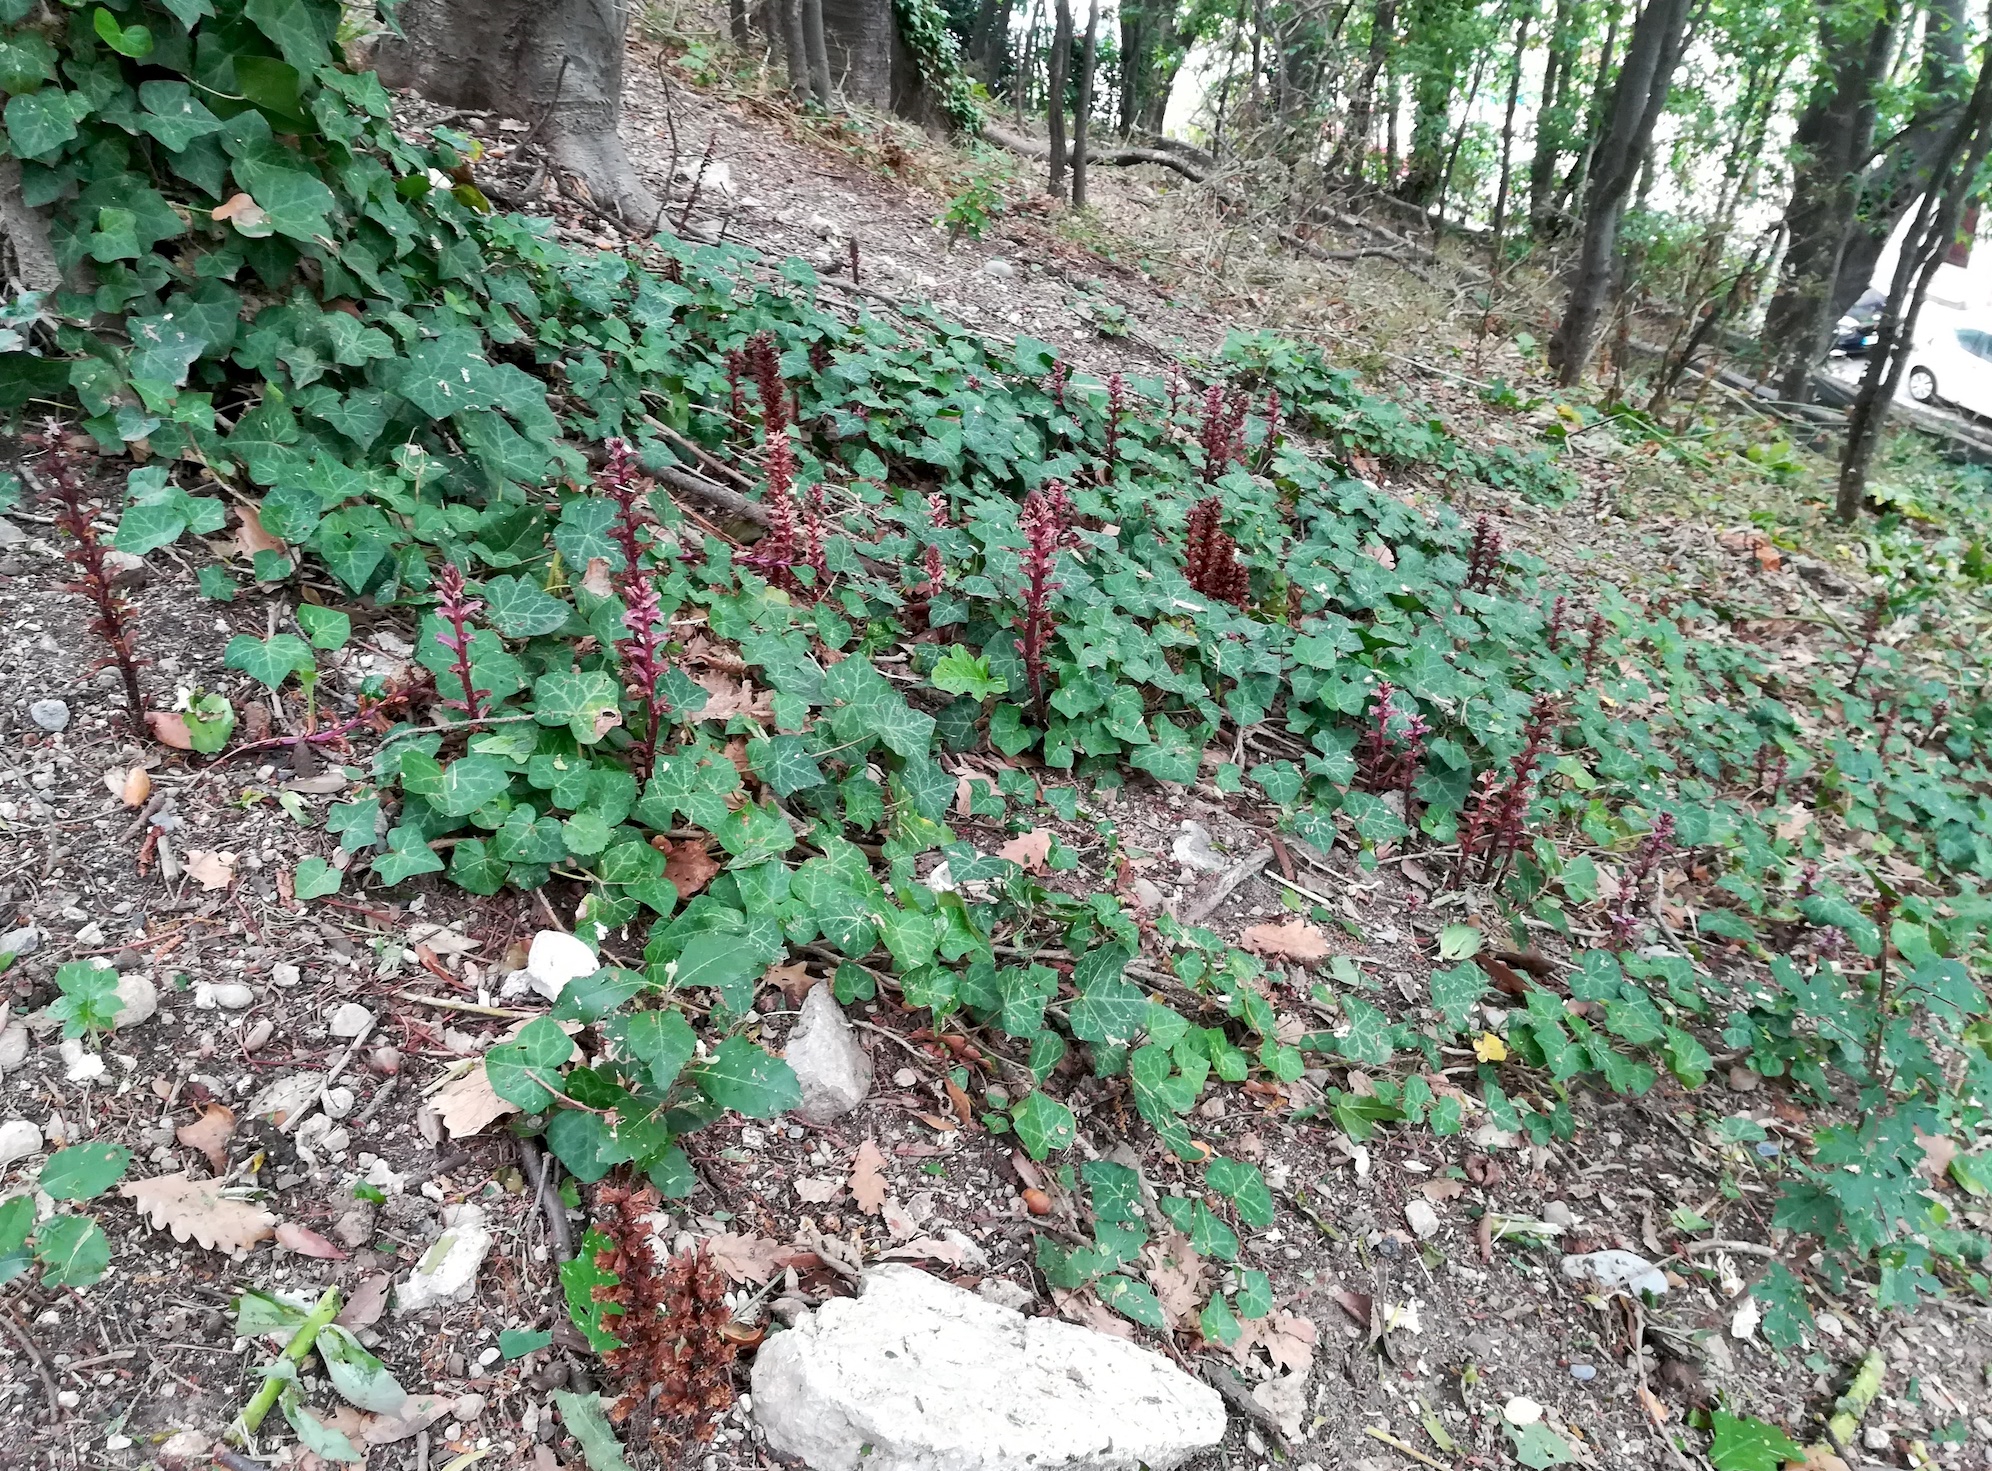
(24, 941)
(49, 715)
(1001, 269)
(448, 1270)
(1616, 1271)
(834, 1071)
(19, 1138)
(138, 1000)
(13, 1046)
(351, 1020)
(1422, 1219)
(916, 1375)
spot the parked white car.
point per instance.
(1952, 365)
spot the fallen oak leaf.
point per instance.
(368, 1302)
(867, 1182)
(1296, 940)
(745, 1258)
(1030, 851)
(250, 537)
(307, 1242)
(818, 1189)
(793, 981)
(687, 865)
(210, 1134)
(169, 729)
(211, 870)
(198, 1210)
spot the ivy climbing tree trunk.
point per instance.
(556, 63)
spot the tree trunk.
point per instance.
(818, 52)
(1552, 130)
(988, 49)
(1834, 139)
(1061, 58)
(736, 23)
(1594, 118)
(1952, 173)
(1352, 151)
(1082, 117)
(868, 63)
(1898, 178)
(557, 59)
(1651, 55)
(795, 48)
(1434, 56)
(1508, 136)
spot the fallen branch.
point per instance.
(300, 1344)
(1854, 1404)
(1114, 157)
(1199, 908)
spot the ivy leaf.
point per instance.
(1043, 1124)
(269, 661)
(1744, 1443)
(962, 673)
(521, 1070)
(519, 608)
(145, 529)
(744, 1078)
(784, 763)
(1132, 1300)
(315, 878)
(408, 853)
(41, 122)
(1537, 1446)
(1459, 942)
(72, 1250)
(327, 628)
(84, 1171)
(1244, 1187)
(587, 703)
(468, 783)
(355, 824)
(1457, 991)
(132, 41)
(17, 1219)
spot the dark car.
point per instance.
(1853, 334)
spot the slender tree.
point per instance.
(1061, 59)
(817, 49)
(1083, 114)
(1352, 150)
(1954, 172)
(1651, 54)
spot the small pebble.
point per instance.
(350, 1020)
(1583, 1373)
(49, 715)
(69, 1399)
(386, 1061)
(282, 974)
(258, 1033)
(1037, 1202)
(905, 1078)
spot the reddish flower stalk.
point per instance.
(777, 553)
(1554, 635)
(621, 480)
(1060, 373)
(1210, 556)
(113, 620)
(1042, 534)
(370, 713)
(1222, 433)
(1503, 817)
(1594, 646)
(1870, 636)
(1483, 559)
(1059, 501)
(764, 362)
(1380, 765)
(1175, 398)
(456, 609)
(674, 1359)
(1658, 841)
(1116, 406)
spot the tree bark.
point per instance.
(988, 48)
(816, 50)
(1552, 128)
(1508, 136)
(1082, 118)
(1352, 150)
(1952, 174)
(795, 48)
(1651, 55)
(1594, 117)
(736, 23)
(1061, 58)
(557, 59)
(27, 257)
(1896, 180)
(1834, 139)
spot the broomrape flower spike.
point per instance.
(764, 363)
(1659, 841)
(112, 622)
(1116, 406)
(1501, 815)
(456, 609)
(1210, 556)
(1042, 535)
(778, 553)
(1483, 559)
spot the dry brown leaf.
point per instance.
(1938, 1152)
(933, 1249)
(250, 537)
(688, 866)
(242, 211)
(727, 697)
(1082, 1307)
(938, 1124)
(1443, 1189)
(198, 1209)
(368, 1302)
(169, 729)
(868, 1178)
(1793, 827)
(745, 1258)
(134, 787)
(1383, 555)
(963, 1105)
(899, 1225)
(417, 1413)
(1176, 1273)
(307, 1242)
(209, 1134)
(1295, 940)
(595, 578)
(1655, 1407)
(793, 980)
(1289, 1341)
(1818, 1457)
(467, 1105)
(210, 870)
(1030, 851)
(818, 1189)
